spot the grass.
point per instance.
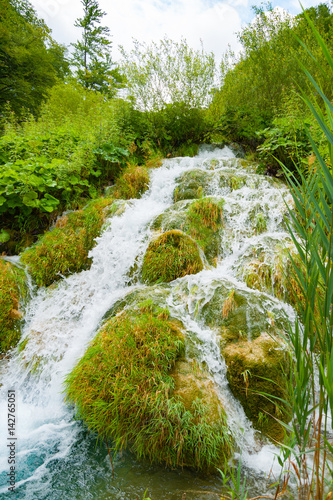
(122, 389)
(170, 256)
(133, 182)
(12, 292)
(64, 250)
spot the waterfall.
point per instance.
(62, 319)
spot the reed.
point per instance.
(308, 445)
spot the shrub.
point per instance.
(132, 183)
(172, 255)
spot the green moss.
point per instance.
(170, 256)
(239, 313)
(13, 292)
(257, 374)
(122, 389)
(132, 183)
(201, 219)
(192, 184)
(64, 250)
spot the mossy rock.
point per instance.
(192, 184)
(240, 313)
(197, 183)
(257, 373)
(13, 293)
(192, 383)
(64, 250)
(123, 390)
(170, 256)
(201, 219)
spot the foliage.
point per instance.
(170, 83)
(12, 292)
(312, 344)
(122, 389)
(64, 249)
(132, 183)
(30, 60)
(257, 83)
(69, 154)
(92, 55)
(170, 256)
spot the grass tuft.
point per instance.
(64, 250)
(12, 291)
(122, 389)
(170, 256)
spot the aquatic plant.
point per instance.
(64, 250)
(123, 389)
(170, 256)
(12, 291)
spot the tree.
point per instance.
(92, 56)
(30, 60)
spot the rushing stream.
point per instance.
(55, 456)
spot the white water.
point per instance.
(61, 320)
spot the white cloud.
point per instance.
(214, 22)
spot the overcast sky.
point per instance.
(215, 22)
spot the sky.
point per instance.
(212, 22)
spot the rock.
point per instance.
(258, 373)
(170, 256)
(201, 219)
(133, 386)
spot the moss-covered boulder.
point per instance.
(170, 256)
(201, 219)
(13, 292)
(258, 372)
(64, 250)
(192, 383)
(123, 390)
(240, 313)
(192, 184)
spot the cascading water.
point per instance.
(55, 457)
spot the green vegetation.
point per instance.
(13, 291)
(92, 55)
(64, 250)
(31, 62)
(202, 220)
(123, 389)
(259, 102)
(170, 256)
